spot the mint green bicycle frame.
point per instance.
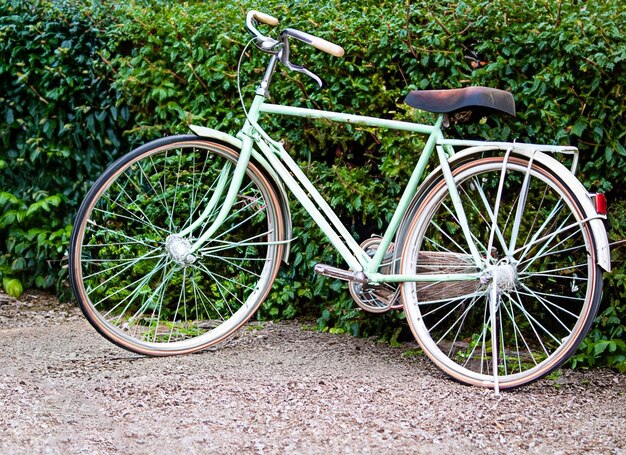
(274, 156)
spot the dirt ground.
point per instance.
(279, 388)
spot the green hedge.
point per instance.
(81, 84)
(60, 124)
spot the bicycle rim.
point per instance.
(539, 288)
(133, 269)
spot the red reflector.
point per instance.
(601, 206)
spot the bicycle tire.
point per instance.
(548, 285)
(137, 280)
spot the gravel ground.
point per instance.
(278, 388)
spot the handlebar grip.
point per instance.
(264, 18)
(317, 43)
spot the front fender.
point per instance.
(225, 138)
(210, 133)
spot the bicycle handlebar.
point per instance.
(267, 44)
(317, 43)
(280, 48)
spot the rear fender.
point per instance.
(596, 222)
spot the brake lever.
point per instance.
(284, 59)
(303, 70)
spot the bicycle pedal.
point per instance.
(340, 274)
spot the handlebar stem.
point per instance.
(264, 86)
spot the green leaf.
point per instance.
(13, 287)
(579, 128)
(600, 347)
(620, 149)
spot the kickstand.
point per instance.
(493, 297)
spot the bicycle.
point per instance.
(496, 256)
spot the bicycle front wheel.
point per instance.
(136, 271)
(539, 286)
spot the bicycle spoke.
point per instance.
(517, 333)
(534, 324)
(536, 264)
(456, 220)
(118, 274)
(493, 227)
(141, 284)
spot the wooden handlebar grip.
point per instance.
(265, 18)
(327, 46)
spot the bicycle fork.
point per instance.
(229, 182)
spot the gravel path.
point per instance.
(275, 389)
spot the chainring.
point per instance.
(379, 297)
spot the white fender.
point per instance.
(533, 152)
(211, 133)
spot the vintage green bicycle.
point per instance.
(496, 256)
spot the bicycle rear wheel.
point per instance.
(132, 266)
(539, 286)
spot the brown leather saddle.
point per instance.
(463, 105)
